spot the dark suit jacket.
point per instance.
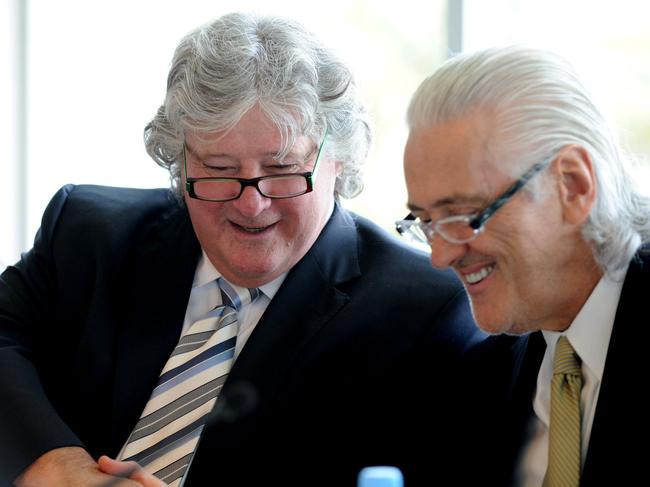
(618, 447)
(354, 359)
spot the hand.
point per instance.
(72, 467)
(129, 469)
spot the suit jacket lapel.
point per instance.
(154, 291)
(526, 361)
(619, 422)
(306, 302)
(527, 353)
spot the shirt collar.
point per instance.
(590, 331)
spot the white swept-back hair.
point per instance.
(540, 106)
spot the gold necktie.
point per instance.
(565, 432)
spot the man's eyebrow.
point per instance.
(413, 208)
(269, 154)
(295, 153)
(458, 199)
(202, 157)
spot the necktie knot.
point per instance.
(566, 360)
(236, 297)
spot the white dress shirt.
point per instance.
(589, 335)
(205, 296)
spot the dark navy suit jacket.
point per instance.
(618, 448)
(354, 361)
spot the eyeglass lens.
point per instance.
(224, 189)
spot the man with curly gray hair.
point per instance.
(243, 328)
(518, 184)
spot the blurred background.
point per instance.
(80, 79)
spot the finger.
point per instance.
(116, 467)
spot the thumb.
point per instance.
(129, 469)
(116, 467)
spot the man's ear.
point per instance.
(577, 183)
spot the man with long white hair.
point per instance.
(518, 184)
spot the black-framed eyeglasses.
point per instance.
(460, 229)
(276, 186)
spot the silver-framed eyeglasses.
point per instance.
(460, 229)
(276, 186)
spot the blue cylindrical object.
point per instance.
(380, 477)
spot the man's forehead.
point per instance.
(208, 144)
(467, 139)
(446, 165)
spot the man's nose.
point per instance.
(251, 202)
(444, 253)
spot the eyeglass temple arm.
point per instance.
(398, 225)
(482, 217)
(188, 185)
(314, 170)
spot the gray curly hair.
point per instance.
(225, 68)
(540, 106)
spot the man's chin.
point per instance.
(504, 330)
(493, 326)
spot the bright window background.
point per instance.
(10, 130)
(96, 74)
(607, 41)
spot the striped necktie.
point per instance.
(565, 429)
(165, 438)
